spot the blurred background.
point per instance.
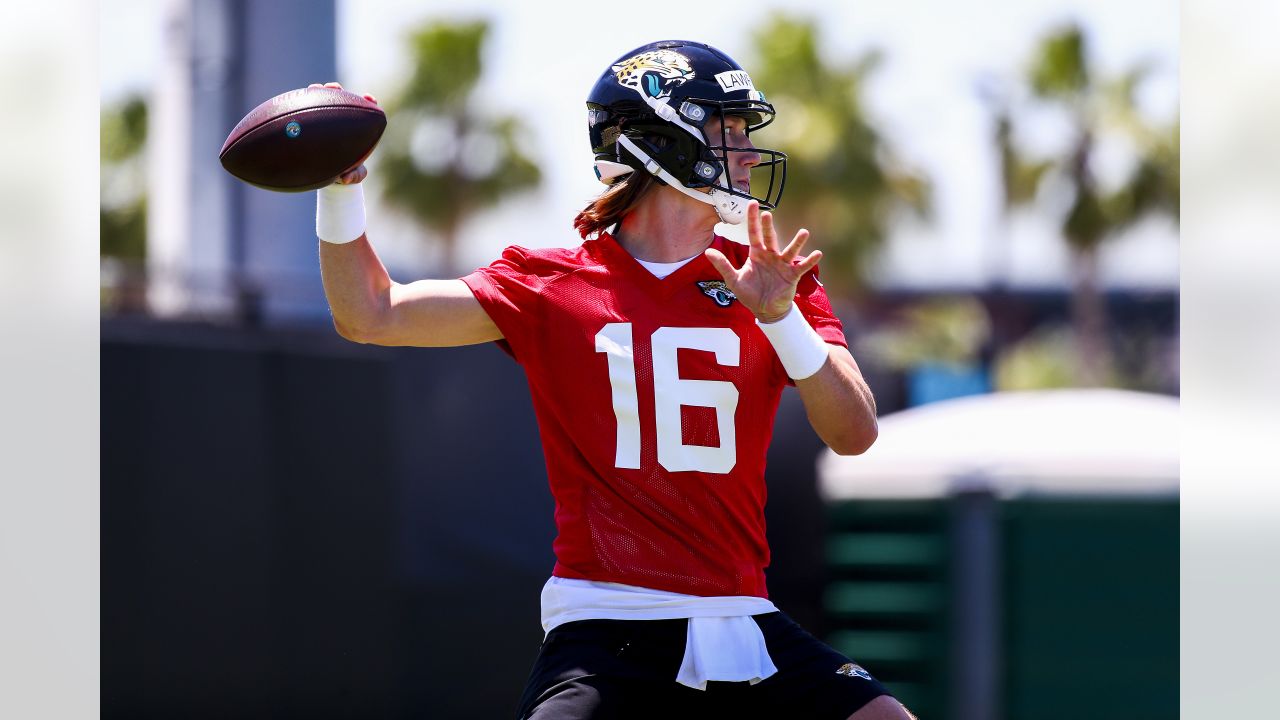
(297, 525)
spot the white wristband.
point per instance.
(340, 213)
(799, 347)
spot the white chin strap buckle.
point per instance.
(731, 208)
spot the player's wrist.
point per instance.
(799, 347)
(340, 216)
(768, 318)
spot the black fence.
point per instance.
(298, 526)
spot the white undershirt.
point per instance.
(661, 270)
(723, 642)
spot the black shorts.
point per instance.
(618, 669)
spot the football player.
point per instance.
(656, 353)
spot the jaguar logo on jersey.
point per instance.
(654, 73)
(853, 670)
(718, 291)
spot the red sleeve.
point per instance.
(509, 292)
(812, 300)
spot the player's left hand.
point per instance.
(766, 282)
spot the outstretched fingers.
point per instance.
(795, 246)
(770, 234)
(722, 265)
(754, 233)
(810, 262)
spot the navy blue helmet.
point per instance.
(647, 113)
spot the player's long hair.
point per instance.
(610, 206)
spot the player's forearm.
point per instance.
(357, 287)
(840, 405)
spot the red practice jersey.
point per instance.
(655, 400)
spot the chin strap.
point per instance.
(731, 208)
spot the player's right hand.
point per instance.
(361, 172)
(353, 177)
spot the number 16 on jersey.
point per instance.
(670, 392)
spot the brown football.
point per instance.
(303, 139)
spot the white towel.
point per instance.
(723, 643)
(730, 649)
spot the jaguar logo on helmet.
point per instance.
(683, 88)
(654, 73)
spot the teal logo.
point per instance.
(651, 84)
(293, 129)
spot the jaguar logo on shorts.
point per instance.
(853, 670)
(718, 291)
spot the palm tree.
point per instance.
(845, 183)
(443, 160)
(1061, 76)
(122, 216)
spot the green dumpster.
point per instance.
(1012, 555)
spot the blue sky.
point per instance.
(924, 97)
